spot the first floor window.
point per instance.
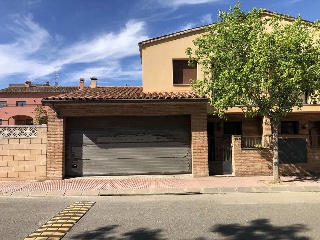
(21, 103)
(3, 104)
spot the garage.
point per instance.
(118, 145)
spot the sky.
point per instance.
(64, 40)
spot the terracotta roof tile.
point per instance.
(119, 93)
(20, 88)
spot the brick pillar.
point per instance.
(199, 142)
(236, 154)
(55, 146)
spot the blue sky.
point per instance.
(63, 40)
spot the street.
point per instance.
(283, 215)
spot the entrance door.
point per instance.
(219, 152)
(220, 155)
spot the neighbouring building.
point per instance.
(165, 128)
(18, 101)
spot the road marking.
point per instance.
(58, 226)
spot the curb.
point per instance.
(161, 191)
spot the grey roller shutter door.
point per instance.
(128, 145)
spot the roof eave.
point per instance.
(47, 102)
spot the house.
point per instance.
(17, 101)
(165, 128)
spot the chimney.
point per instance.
(93, 82)
(81, 83)
(27, 84)
(47, 83)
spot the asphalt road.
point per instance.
(284, 215)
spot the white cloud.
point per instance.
(204, 20)
(177, 3)
(29, 38)
(35, 53)
(106, 46)
(111, 70)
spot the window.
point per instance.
(0, 121)
(290, 127)
(182, 72)
(3, 104)
(21, 103)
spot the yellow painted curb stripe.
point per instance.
(58, 226)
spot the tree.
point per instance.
(40, 115)
(263, 64)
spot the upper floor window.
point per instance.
(21, 103)
(182, 72)
(3, 103)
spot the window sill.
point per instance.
(182, 84)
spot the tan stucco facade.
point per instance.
(157, 57)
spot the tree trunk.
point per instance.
(275, 159)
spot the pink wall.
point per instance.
(12, 114)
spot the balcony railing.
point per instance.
(256, 141)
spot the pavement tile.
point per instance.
(154, 185)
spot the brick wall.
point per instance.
(24, 158)
(253, 162)
(57, 124)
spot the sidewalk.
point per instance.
(143, 185)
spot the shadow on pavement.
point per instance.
(108, 233)
(261, 229)
(315, 178)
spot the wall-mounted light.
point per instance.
(305, 125)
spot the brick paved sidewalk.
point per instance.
(183, 184)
